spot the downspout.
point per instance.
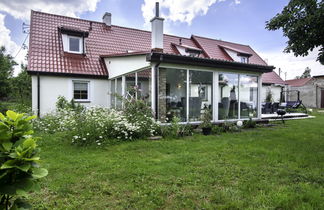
(316, 96)
(38, 95)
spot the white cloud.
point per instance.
(294, 66)
(11, 47)
(21, 9)
(178, 10)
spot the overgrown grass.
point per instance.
(270, 168)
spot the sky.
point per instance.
(240, 21)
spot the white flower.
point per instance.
(239, 123)
(100, 137)
(84, 139)
(99, 144)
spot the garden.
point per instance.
(113, 161)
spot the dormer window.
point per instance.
(187, 50)
(244, 59)
(73, 40)
(75, 44)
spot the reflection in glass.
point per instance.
(248, 96)
(228, 96)
(112, 95)
(144, 85)
(200, 93)
(172, 94)
(130, 86)
(119, 93)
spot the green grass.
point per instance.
(270, 168)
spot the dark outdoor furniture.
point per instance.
(267, 108)
(281, 113)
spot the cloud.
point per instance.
(178, 10)
(21, 9)
(294, 66)
(11, 47)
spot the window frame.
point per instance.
(81, 43)
(88, 91)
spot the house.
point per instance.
(310, 90)
(272, 82)
(91, 62)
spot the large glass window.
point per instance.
(248, 96)
(112, 95)
(172, 88)
(130, 86)
(119, 93)
(228, 96)
(200, 93)
(144, 85)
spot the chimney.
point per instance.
(106, 19)
(157, 31)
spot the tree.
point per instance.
(21, 86)
(6, 70)
(306, 74)
(302, 21)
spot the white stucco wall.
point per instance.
(121, 65)
(52, 86)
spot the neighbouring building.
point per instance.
(272, 82)
(311, 91)
(90, 61)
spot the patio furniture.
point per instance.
(281, 113)
(267, 108)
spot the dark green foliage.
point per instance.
(306, 74)
(302, 21)
(6, 70)
(19, 169)
(21, 87)
(206, 118)
(249, 123)
(269, 97)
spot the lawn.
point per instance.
(280, 167)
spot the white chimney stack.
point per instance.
(106, 19)
(157, 30)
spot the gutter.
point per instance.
(207, 62)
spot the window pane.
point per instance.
(144, 85)
(80, 90)
(112, 96)
(248, 96)
(228, 96)
(119, 93)
(74, 44)
(130, 86)
(200, 92)
(172, 94)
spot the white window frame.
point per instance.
(88, 87)
(66, 43)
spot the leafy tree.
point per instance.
(21, 86)
(302, 21)
(306, 74)
(6, 70)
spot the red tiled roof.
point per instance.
(213, 48)
(298, 82)
(272, 78)
(46, 48)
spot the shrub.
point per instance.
(206, 118)
(19, 169)
(216, 129)
(249, 123)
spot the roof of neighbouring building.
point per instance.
(298, 82)
(272, 78)
(46, 53)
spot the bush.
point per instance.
(249, 123)
(19, 169)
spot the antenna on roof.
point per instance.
(90, 28)
(180, 41)
(25, 28)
